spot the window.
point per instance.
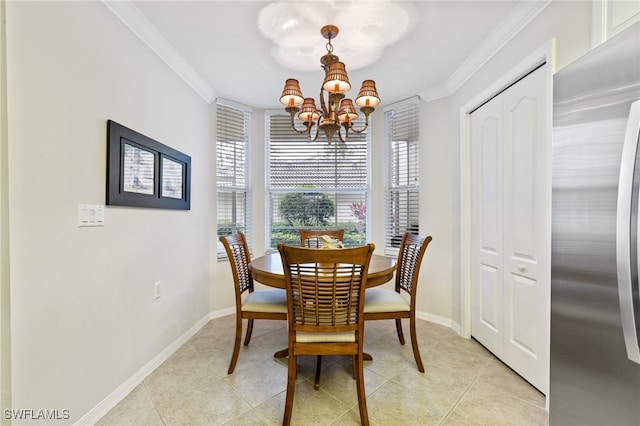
(315, 185)
(402, 174)
(233, 125)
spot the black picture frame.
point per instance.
(142, 172)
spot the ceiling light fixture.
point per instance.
(336, 111)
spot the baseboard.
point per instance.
(97, 412)
(222, 312)
(458, 329)
(447, 322)
(437, 319)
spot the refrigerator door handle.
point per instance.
(627, 235)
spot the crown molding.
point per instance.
(131, 16)
(508, 28)
(435, 92)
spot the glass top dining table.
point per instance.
(268, 270)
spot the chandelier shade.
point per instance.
(368, 95)
(337, 80)
(308, 111)
(336, 111)
(292, 95)
(347, 112)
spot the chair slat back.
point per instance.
(325, 288)
(412, 249)
(239, 255)
(312, 237)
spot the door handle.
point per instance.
(628, 267)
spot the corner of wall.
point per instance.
(5, 317)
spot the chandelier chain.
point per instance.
(329, 46)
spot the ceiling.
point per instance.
(218, 48)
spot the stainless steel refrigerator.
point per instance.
(595, 302)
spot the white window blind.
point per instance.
(315, 185)
(233, 134)
(402, 174)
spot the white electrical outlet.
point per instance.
(156, 290)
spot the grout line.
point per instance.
(153, 402)
(455, 405)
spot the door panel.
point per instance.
(487, 256)
(520, 173)
(489, 298)
(490, 187)
(527, 234)
(522, 310)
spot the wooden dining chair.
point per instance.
(325, 290)
(250, 304)
(313, 237)
(381, 304)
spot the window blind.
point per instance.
(402, 170)
(233, 133)
(315, 185)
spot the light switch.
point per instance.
(90, 215)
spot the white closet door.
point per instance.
(486, 222)
(511, 227)
(526, 229)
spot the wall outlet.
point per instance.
(156, 290)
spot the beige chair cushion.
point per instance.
(384, 300)
(347, 336)
(274, 300)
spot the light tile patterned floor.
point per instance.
(463, 384)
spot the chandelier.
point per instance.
(336, 111)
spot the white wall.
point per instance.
(378, 166)
(436, 201)
(570, 24)
(5, 324)
(82, 310)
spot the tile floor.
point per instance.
(463, 383)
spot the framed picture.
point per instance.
(142, 172)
